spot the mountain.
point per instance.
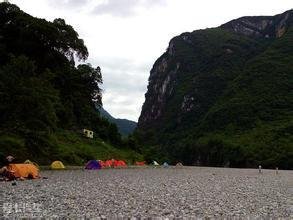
(125, 126)
(223, 96)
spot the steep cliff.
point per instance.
(223, 96)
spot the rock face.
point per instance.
(263, 26)
(211, 79)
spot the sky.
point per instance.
(125, 37)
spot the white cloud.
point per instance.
(124, 86)
(68, 3)
(125, 8)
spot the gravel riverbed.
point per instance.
(187, 192)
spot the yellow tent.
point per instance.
(30, 162)
(57, 165)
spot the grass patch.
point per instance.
(69, 147)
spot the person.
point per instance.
(9, 159)
(3, 165)
(4, 171)
(259, 169)
(3, 162)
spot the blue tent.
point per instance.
(165, 164)
(93, 165)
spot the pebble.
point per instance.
(185, 192)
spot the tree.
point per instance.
(92, 78)
(41, 89)
(27, 98)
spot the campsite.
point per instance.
(114, 189)
(143, 109)
(152, 192)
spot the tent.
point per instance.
(30, 162)
(119, 163)
(93, 165)
(179, 164)
(155, 163)
(108, 163)
(165, 164)
(102, 163)
(112, 163)
(57, 165)
(142, 163)
(24, 170)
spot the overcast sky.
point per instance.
(125, 37)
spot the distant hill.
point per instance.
(125, 126)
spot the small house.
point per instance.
(88, 133)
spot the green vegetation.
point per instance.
(45, 100)
(230, 102)
(70, 147)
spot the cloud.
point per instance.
(126, 105)
(125, 83)
(126, 8)
(69, 4)
(116, 8)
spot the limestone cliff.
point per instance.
(218, 79)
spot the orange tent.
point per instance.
(113, 163)
(102, 163)
(119, 163)
(24, 170)
(108, 163)
(140, 163)
(122, 163)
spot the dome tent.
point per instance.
(24, 171)
(155, 163)
(30, 162)
(108, 164)
(120, 163)
(165, 164)
(93, 165)
(140, 163)
(114, 163)
(102, 163)
(57, 165)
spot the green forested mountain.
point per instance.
(223, 96)
(44, 96)
(125, 126)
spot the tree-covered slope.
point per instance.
(42, 92)
(223, 96)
